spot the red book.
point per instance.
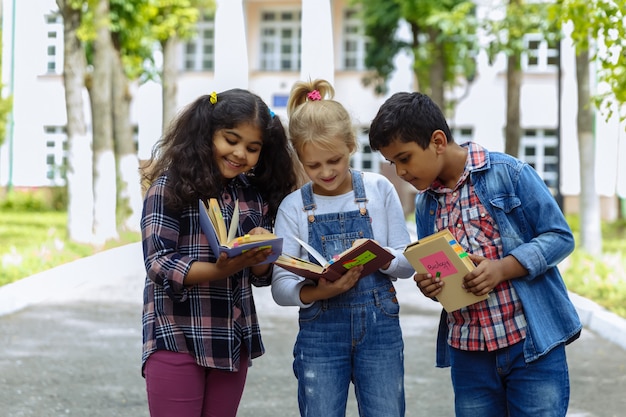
(366, 252)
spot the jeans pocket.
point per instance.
(390, 307)
(310, 313)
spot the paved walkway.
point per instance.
(70, 345)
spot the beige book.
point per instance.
(442, 256)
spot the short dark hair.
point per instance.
(407, 117)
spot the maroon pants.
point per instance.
(177, 386)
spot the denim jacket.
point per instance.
(535, 232)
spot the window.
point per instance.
(462, 134)
(354, 41)
(539, 148)
(364, 159)
(54, 44)
(56, 154)
(280, 40)
(540, 55)
(199, 52)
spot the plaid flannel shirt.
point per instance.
(209, 321)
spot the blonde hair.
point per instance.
(323, 122)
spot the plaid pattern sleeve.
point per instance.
(210, 321)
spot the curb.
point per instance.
(86, 278)
(599, 320)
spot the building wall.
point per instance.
(39, 99)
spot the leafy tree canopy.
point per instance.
(138, 25)
(600, 27)
(441, 30)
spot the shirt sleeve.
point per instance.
(160, 229)
(285, 284)
(389, 225)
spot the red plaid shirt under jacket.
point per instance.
(498, 321)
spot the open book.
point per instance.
(364, 252)
(222, 240)
(441, 255)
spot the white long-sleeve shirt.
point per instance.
(388, 226)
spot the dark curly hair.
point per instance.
(185, 152)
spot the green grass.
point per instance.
(33, 241)
(601, 279)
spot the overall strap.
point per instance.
(307, 200)
(359, 191)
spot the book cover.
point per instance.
(440, 254)
(223, 240)
(364, 252)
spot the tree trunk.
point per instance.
(437, 74)
(79, 171)
(104, 177)
(590, 228)
(129, 196)
(513, 96)
(169, 80)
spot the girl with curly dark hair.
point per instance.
(200, 328)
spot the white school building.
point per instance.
(267, 45)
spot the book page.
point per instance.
(318, 256)
(215, 214)
(232, 231)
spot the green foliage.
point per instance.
(138, 25)
(35, 200)
(456, 26)
(177, 18)
(601, 279)
(34, 241)
(600, 27)
(6, 105)
(506, 35)
(381, 19)
(442, 31)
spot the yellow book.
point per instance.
(217, 220)
(226, 240)
(441, 255)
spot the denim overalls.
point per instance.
(354, 336)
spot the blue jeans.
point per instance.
(501, 383)
(355, 338)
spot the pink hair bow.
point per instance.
(314, 95)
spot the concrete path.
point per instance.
(70, 345)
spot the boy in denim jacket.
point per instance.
(507, 353)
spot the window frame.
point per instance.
(546, 164)
(542, 57)
(198, 54)
(353, 32)
(277, 52)
(54, 43)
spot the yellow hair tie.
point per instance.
(213, 97)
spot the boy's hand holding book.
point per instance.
(429, 285)
(491, 272)
(439, 258)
